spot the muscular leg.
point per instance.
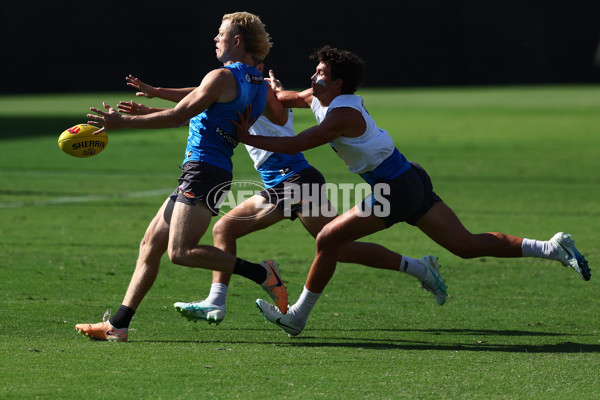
(183, 249)
(152, 247)
(443, 226)
(188, 225)
(331, 239)
(252, 215)
(341, 235)
(369, 254)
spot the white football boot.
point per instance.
(569, 256)
(433, 281)
(284, 321)
(201, 311)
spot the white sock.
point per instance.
(413, 267)
(301, 310)
(217, 295)
(539, 248)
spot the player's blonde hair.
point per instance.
(257, 41)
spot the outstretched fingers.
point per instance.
(99, 118)
(144, 89)
(245, 120)
(244, 123)
(130, 107)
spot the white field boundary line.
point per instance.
(83, 199)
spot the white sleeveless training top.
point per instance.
(262, 126)
(365, 152)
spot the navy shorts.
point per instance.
(203, 182)
(310, 182)
(409, 197)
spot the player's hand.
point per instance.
(105, 120)
(132, 108)
(274, 82)
(241, 132)
(145, 90)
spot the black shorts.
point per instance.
(203, 182)
(285, 194)
(408, 197)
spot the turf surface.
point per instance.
(520, 160)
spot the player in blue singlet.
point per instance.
(211, 136)
(184, 217)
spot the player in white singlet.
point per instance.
(345, 124)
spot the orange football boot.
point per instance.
(274, 286)
(103, 331)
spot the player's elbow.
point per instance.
(179, 120)
(279, 117)
(280, 120)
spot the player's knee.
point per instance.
(220, 228)
(326, 240)
(226, 228)
(151, 249)
(176, 254)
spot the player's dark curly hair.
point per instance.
(344, 65)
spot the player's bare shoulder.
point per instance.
(347, 121)
(221, 84)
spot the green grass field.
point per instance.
(520, 160)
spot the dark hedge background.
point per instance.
(66, 46)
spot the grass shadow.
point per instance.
(424, 345)
(12, 128)
(563, 347)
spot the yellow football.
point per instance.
(80, 141)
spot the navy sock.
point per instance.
(122, 317)
(252, 271)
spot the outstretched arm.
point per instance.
(336, 124)
(274, 110)
(217, 85)
(290, 98)
(133, 108)
(293, 99)
(149, 91)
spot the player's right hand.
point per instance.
(245, 122)
(132, 108)
(274, 82)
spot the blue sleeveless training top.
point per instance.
(211, 137)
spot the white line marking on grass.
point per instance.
(83, 199)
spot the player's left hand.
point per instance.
(242, 127)
(145, 90)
